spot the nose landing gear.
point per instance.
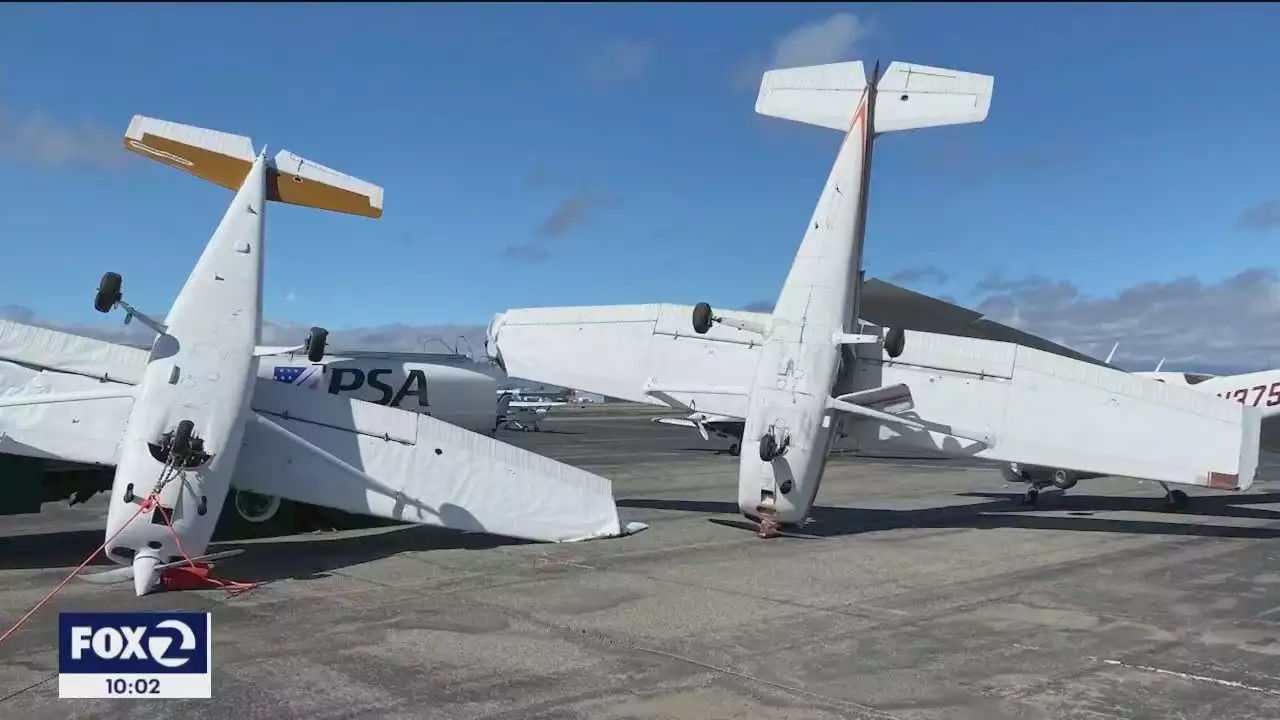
(770, 449)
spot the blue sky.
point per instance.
(598, 154)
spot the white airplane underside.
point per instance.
(796, 373)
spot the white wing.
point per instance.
(1001, 401)
(369, 459)
(643, 353)
(63, 396)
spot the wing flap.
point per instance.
(1038, 408)
(67, 353)
(84, 431)
(623, 351)
(374, 460)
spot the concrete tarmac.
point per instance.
(923, 590)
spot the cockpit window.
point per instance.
(1196, 378)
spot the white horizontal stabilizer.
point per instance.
(908, 96)
(822, 95)
(918, 96)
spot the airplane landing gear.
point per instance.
(109, 292)
(181, 447)
(317, 340)
(734, 450)
(770, 449)
(895, 341)
(702, 318)
(1175, 499)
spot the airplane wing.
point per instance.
(395, 464)
(63, 396)
(888, 305)
(642, 353)
(1000, 401)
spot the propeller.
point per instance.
(126, 573)
(698, 420)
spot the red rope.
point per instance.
(143, 506)
(194, 576)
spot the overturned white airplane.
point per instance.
(791, 374)
(196, 419)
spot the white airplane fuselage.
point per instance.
(800, 361)
(202, 370)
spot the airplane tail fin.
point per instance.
(224, 159)
(907, 96)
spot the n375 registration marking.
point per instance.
(1253, 395)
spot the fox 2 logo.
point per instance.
(133, 643)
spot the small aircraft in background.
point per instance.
(722, 426)
(523, 413)
(195, 418)
(794, 373)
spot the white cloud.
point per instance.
(1232, 324)
(38, 139)
(824, 41)
(834, 39)
(397, 337)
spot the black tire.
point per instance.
(701, 318)
(182, 438)
(233, 525)
(1064, 480)
(768, 448)
(734, 450)
(895, 341)
(316, 342)
(1031, 497)
(109, 292)
(1178, 499)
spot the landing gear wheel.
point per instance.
(255, 508)
(181, 446)
(768, 448)
(734, 450)
(895, 341)
(1031, 497)
(701, 318)
(1177, 500)
(108, 292)
(317, 339)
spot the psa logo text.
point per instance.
(155, 655)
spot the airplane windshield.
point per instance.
(1196, 378)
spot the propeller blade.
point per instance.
(125, 573)
(109, 577)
